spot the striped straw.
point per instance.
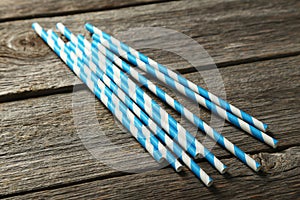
(153, 127)
(120, 111)
(183, 137)
(160, 133)
(225, 143)
(189, 93)
(196, 88)
(98, 83)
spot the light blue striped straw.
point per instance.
(224, 142)
(121, 112)
(196, 88)
(151, 125)
(189, 93)
(183, 137)
(158, 131)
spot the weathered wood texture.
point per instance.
(40, 147)
(280, 180)
(42, 155)
(231, 32)
(17, 9)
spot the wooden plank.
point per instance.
(280, 180)
(17, 9)
(41, 147)
(231, 32)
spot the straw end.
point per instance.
(224, 170)
(210, 182)
(89, 27)
(179, 168)
(60, 27)
(161, 160)
(265, 127)
(35, 25)
(37, 28)
(198, 155)
(258, 167)
(275, 143)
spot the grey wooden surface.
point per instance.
(19, 10)
(233, 32)
(254, 44)
(281, 181)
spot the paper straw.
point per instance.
(116, 75)
(155, 129)
(121, 112)
(196, 88)
(178, 151)
(224, 142)
(189, 93)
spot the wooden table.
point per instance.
(256, 46)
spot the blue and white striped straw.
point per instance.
(224, 142)
(121, 112)
(117, 75)
(189, 93)
(196, 88)
(159, 132)
(152, 126)
(100, 85)
(176, 131)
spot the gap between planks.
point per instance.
(68, 89)
(21, 61)
(263, 100)
(262, 156)
(74, 12)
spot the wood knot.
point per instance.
(275, 163)
(27, 44)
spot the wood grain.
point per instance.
(17, 9)
(280, 180)
(40, 146)
(231, 32)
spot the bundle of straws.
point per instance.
(102, 65)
